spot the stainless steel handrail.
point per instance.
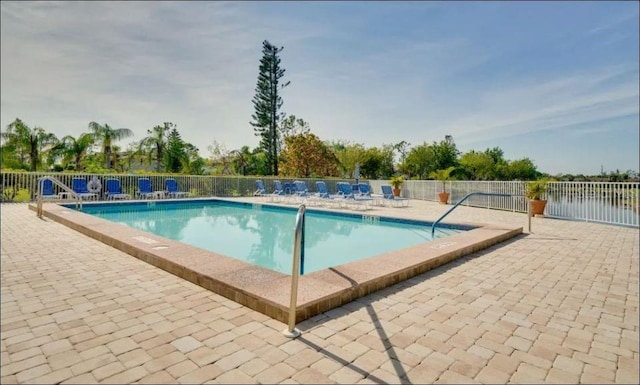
(298, 245)
(433, 226)
(59, 184)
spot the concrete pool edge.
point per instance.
(267, 291)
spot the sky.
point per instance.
(556, 82)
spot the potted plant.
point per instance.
(396, 182)
(534, 191)
(443, 175)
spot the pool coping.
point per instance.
(268, 291)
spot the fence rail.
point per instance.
(605, 202)
(615, 203)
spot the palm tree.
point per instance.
(156, 142)
(29, 142)
(77, 149)
(106, 136)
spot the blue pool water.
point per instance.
(263, 235)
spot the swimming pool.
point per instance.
(263, 235)
(268, 291)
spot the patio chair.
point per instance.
(278, 193)
(300, 187)
(79, 186)
(364, 189)
(323, 195)
(279, 190)
(47, 191)
(323, 192)
(260, 190)
(172, 189)
(145, 190)
(114, 191)
(288, 188)
(352, 200)
(387, 195)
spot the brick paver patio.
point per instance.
(559, 305)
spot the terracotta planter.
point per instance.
(396, 192)
(444, 197)
(537, 206)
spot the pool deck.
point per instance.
(558, 305)
(268, 291)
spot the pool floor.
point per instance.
(268, 291)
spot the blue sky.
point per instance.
(556, 82)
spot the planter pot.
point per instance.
(444, 197)
(396, 192)
(537, 206)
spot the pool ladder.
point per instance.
(297, 269)
(59, 184)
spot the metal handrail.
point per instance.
(298, 252)
(433, 226)
(59, 184)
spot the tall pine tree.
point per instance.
(175, 154)
(267, 103)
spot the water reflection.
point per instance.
(265, 237)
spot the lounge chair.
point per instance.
(287, 188)
(278, 188)
(172, 189)
(365, 191)
(323, 192)
(260, 190)
(114, 191)
(301, 188)
(47, 191)
(79, 186)
(323, 195)
(387, 195)
(145, 190)
(278, 193)
(350, 199)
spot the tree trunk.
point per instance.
(34, 160)
(107, 157)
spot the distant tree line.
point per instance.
(95, 151)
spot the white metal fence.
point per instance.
(606, 202)
(23, 185)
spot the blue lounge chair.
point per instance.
(300, 187)
(278, 193)
(47, 191)
(364, 189)
(260, 190)
(114, 191)
(172, 189)
(287, 188)
(323, 192)
(387, 195)
(323, 195)
(278, 188)
(145, 190)
(346, 192)
(79, 186)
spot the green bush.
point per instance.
(10, 195)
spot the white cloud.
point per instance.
(138, 64)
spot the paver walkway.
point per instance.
(556, 306)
